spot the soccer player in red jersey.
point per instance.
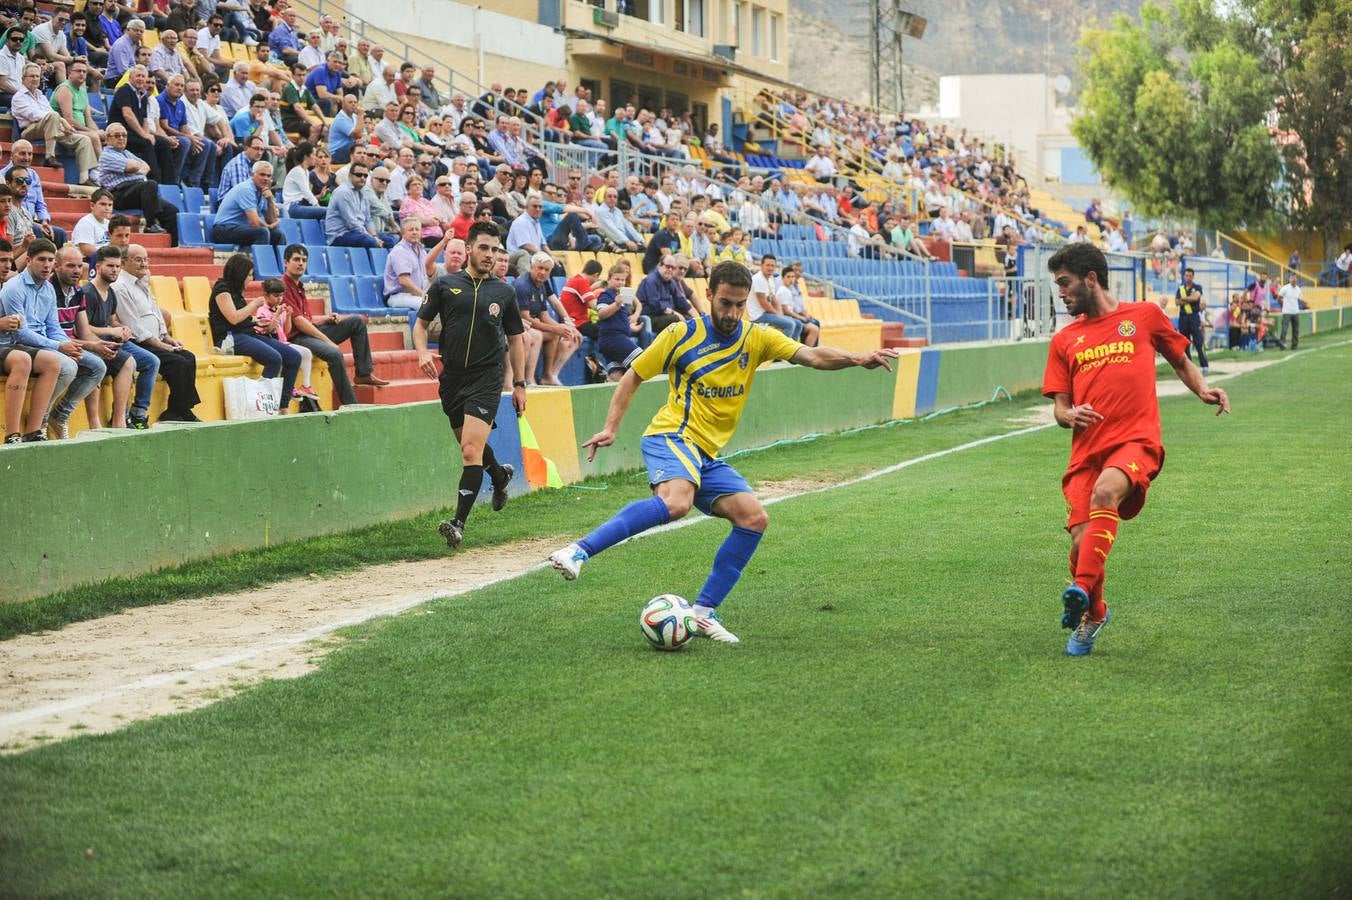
(1101, 376)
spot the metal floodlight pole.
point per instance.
(875, 52)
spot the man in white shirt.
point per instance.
(380, 93)
(238, 91)
(200, 168)
(790, 300)
(821, 165)
(49, 44)
(12, 62)
(943, 226)
(762, 304)
(962, 229)
(1344, 265)
(165, 59)
(1290, 297)
(455, 112)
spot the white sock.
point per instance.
(703, 611)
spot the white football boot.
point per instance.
(710, 626)
(568, 561)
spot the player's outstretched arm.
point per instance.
(834, 358)
(1192, 376)
(619, 405)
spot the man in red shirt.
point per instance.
(323, 334)
(1101, 376)
(577, 296)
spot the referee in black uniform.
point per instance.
(479, 322)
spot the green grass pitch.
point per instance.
(899, 721)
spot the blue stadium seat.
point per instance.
(313, 231)
(172, 193)
(340, 263)
(194, 229)
(265, 262)
(194, 200)
(378, 257)
(361, 262)
(291, 230)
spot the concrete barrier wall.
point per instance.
(120, 504)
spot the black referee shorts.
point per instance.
(473, 392)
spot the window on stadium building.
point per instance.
(741, 23)
(677, 103)
(699, 117)
(621, 92)
(694, 16)
(757, 31)
(776, 27)
(721, 21)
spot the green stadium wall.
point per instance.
(118, 503)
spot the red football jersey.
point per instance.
(574, 299)
(1109, 363)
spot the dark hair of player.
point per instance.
(1079, 260)
(478, 228)
(731, 273)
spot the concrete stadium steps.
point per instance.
(388, 339)
(413, 390)
(894, 335)
(181, 270)
(176, 256)
(391, 365)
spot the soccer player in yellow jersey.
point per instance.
(710, 363)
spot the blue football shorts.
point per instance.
(669, 456)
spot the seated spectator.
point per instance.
(122, 55)
(904, 238)
(283, 39)
(665, 241)
(468, 206)
(124, 176)
(322, 334)
(91, 231)
(329, 82)
(145, 321)
(526, 238)
(165, 59)
(762, 304)
(790, 302)
(32, 296)
(35, 118)
(421, 210)
(535, 297)
(1094, 213)
(20, 364)
(240, 168)
(383, 219)
(237, 90)
(299, 108)
(46, 44)
(312, 54)
(406, 269)
(30, 196)
(130, 108)
(74, 320)
(579, 297)
(209, 137)
(70, 100)
(172, 126)
(248, 214)
(563, 223)
(231, 316)
(298, 196)
(614, 227)
(347, 130)
(323, 180)
(732, 248)
(617, 323)
(100, 305)
(1081, 236)
(273, 318)
(660, 299)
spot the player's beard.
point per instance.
(1082, 298)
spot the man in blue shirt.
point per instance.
(123, 175)
(248, 213)
(326, 82)
(562, 222)
(241, 167)
(347, 223)
(283, 40)
(173, 125)
(348, 127)
(31, 296)
(21, 154)
(535, 297)
(662, 299)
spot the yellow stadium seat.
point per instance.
(151, 38)
(197, 291)
(165, 290)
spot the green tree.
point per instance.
(1174, 115)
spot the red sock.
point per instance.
(1095, 546)
(1097, 608)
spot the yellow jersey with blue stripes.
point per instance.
(710, 376)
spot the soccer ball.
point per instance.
(668, 622)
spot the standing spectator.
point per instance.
(322, 334)
(136, 309)
(248, 214)
(36, 119)
(31, 295)
(232, 316)
(1343, 266)
(1190, 304)
(1291, 302)
(173, 128)
(124, 176)
(101, 312)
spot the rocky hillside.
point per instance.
(964, 37)
(813, 39)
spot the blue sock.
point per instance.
(729, 562)
(633, 519)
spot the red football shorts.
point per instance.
(1139, 462)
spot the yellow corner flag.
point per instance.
(540, 469)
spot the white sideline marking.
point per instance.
(230, 659)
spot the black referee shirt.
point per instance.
(476, 317)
